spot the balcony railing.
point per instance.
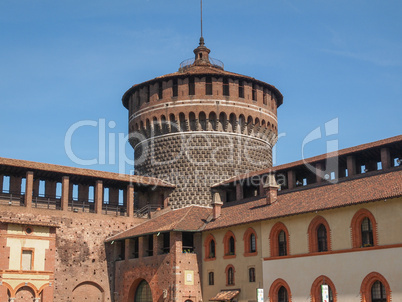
(189, 62)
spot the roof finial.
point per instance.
(201, 38)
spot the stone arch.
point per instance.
(212, 121)
(203, 120)
(222, 122)
(88, 291)
(193, 121)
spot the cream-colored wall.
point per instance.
(387, 214)
(22, 240)
(346, 271)
(240, 263)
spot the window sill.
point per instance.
(250, 254)
(229, 256)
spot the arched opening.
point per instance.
(24, 293)
(143, 292)
(222, 121)
(165, 128)
(203, 120)
(88, 291)
(242, 123)
(183, 124)
(212, 120)
(193, 122)
(173, 124)
(232, 121)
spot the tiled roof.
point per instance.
(348, 192)
(191, 218)
(29, 165)
(226, 295)
(314, 159)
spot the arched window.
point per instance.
(316, 291)
(143, 292)
(378, 293)
(250, 242)
(230, 275)
(282, 294)
(229, 245)
(280, 291)
(211, 278)
(364, 229)
(319, 235)
(278, 240)
(322, 238)
(367, 232)
(251, 274)
(375, 288)
(210, 248)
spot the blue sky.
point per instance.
(62, 62)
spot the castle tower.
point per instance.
(201, 125)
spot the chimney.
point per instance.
(216, 205)
(271, 189)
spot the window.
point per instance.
(250, 242)
(282, 294)
(27, 260)
(208, 86)
(229, 245)
(175, 88)
(160, 90)
(209, 248)
(254, 93)
(265, 97)
(367, 232)
(230, 271)
(143, 292)
(191, 86)
(150, 245)
(211, 280)
(278, 240)
(319, 235)
(251, 274)
(241, 89)
(378, 293)
(316, 291)
(166, 243)
(322, 238)
(364, 229)
(280, 291)
(282, 243)
(147, 94)
(225, 87)
(375, 288)
(253, 248)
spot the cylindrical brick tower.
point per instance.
(201, 125)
